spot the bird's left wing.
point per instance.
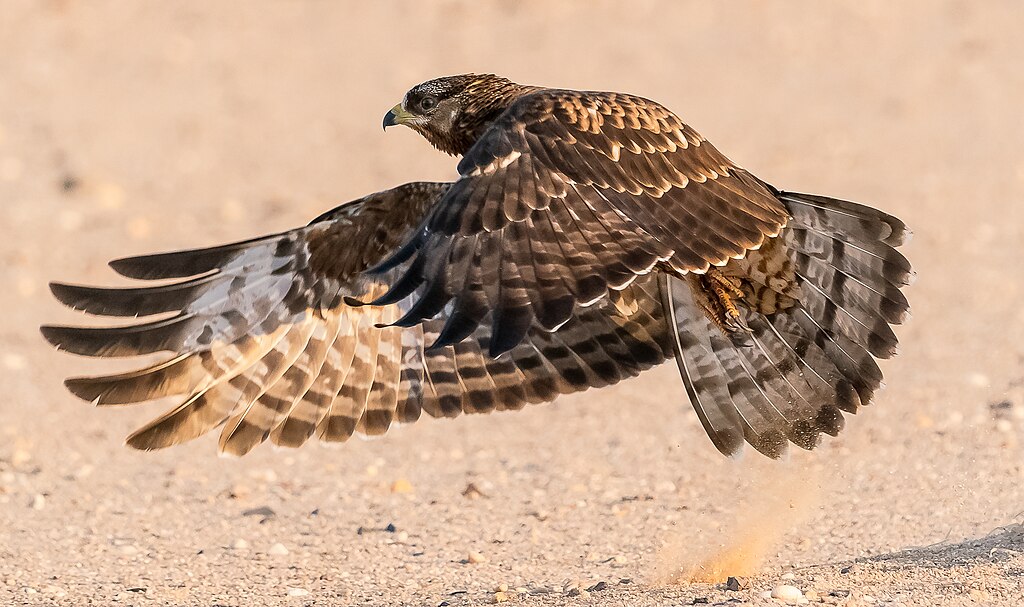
(261, 342)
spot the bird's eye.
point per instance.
(428, 103)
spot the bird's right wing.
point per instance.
(566, 198)
(262, 343)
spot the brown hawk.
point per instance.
(590, 236)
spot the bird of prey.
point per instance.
(589, 236)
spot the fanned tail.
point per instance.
(819, 300)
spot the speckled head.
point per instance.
(452, 112)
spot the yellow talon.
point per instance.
(717, 299)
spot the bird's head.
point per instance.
(452, 112)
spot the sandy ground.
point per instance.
(128, 127)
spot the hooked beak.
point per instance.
(397, 115)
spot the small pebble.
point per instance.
(501, 597)
(298, 592)
(278, 549)
(475, 558)
(39, 502)
(240, 544)
(867, 598)
(732, 584)
(1004, 425)
(401, 486)
(787, 594)
(811, 595)
(788, 576)
(265, 513)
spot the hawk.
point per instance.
(589, 236)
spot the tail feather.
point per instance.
(819, 302)
(835, 216)
(856, 259)
(706, 381)
(804, 381)
(877, 338)
(763, 410)
(871, 299)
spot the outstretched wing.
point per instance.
(566, 198)
(262, 343)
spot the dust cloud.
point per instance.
(773, 505)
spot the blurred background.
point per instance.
(131, 127)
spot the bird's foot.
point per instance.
(718, 296)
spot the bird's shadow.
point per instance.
(999, 546)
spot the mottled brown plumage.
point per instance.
(590, 236)
(602, 177)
